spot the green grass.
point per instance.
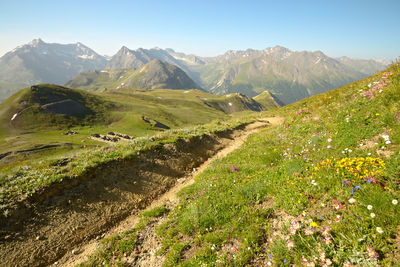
(21, 179)
(302, 192)
(156, 212)
(118, 111)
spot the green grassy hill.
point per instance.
(49, 106)
(321, 189)
(34, 123)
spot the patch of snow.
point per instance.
(104, 71)
(159, 97)
(318, 60)
(230, 104)
(186, 92)
(14, 116)
(120, 77)
(86, 56)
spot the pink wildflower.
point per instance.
(308, 231)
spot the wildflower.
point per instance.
(290, 244)
(373, 235)
(372, 253)
(328, 262)
(358, 186)
(139, 200)
(269, 263)
(372, 215)
(295, 225)
(352, 200)
(313, 224)
(325, 230)
(337, 218)
(379, 230)
(235, 169)
(329, 221)
(369, 207)
(329, 140)
(308, 231)
(323, 204)
(303, 213)
(394, 202)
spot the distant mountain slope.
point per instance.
(234, 103)
(153, 75)
(365, 66)
(39, 62)
(289, 75)
(267, 100)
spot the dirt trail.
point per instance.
(64, 228)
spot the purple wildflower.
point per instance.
(235, 169)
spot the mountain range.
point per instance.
(288, 75)
(153, 75)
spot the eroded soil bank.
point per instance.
(46, 229)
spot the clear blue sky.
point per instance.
(356, 28)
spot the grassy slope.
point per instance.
(266, 100)
(319, 189)
(179, 109)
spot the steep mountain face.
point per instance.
(154, 75)
(39, 62)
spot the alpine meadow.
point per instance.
(117, 152)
